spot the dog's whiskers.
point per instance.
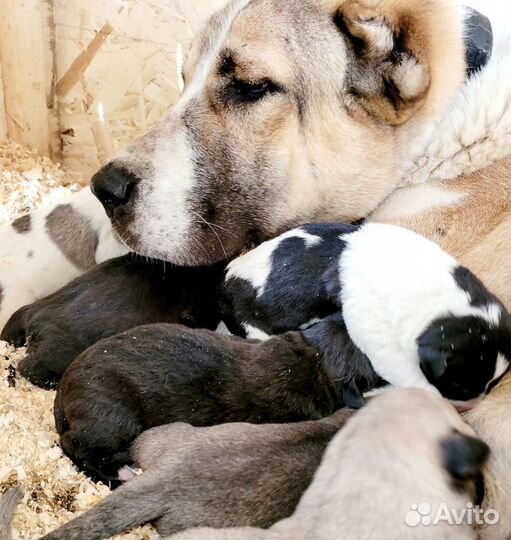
(213, 230)
(225, 230)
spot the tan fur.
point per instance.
(492, 421)
(374, 470)
(338, 158)
(427, 37)
(329, 145)
(476, 229)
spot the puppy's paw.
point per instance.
(14, 332)
(127, 473)
(41, 364)
(51, 345)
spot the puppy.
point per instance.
(406, 448)
(278, 286)
(422, 320)
(8, 504)
(115, 296)
(492, 422)
(228, 475)
(42, 251)
(159, 374)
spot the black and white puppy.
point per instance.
(115, 296)
(279, 286)
(162, 373)
(42, 251)
(423, 320)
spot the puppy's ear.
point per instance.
(433, 362)
(332, 284)
(464, 456)
(404, 55)
(351, 396)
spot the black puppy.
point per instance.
(159, 374)
(115, 296)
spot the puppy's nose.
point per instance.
(113, 186)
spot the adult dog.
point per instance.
(322, 111)
(293, 111)
(325, 110)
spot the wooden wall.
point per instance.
(27, 56)
(82, 78)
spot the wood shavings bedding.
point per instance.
(55, 491)
(27, 178)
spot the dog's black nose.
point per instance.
(113, 186)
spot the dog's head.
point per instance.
(293, 111)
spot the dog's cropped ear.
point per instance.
(405, 55)
(478, 40)
(464, 456)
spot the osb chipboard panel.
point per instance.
(117, 70)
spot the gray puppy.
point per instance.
(404, 449)
(222, 476)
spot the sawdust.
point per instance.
(55, 491)
(26, 179)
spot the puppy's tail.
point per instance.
(137, 502)
(8, 504)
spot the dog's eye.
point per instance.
(249, 92)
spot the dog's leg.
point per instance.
(95, 455)
(132, 504)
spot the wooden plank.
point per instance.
(50, 68)
(132, 78)
(26, 57)
(83, 61)
(3, 119)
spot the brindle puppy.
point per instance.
(228, 475)
(405, 448)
